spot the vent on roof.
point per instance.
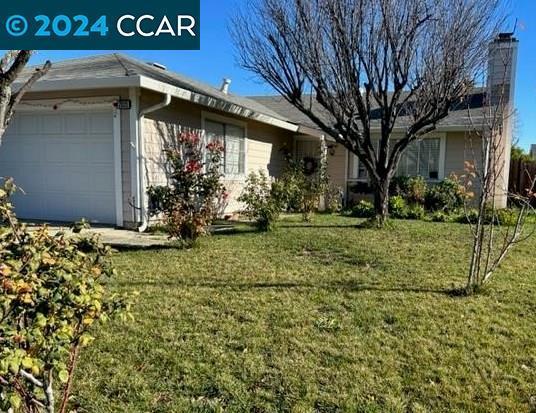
(225, 85)
(158, 65)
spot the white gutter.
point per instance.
(141, 160)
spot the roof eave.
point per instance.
(162, 87)
(214, 103)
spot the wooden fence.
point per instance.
(522, 175)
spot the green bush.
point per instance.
(415, 212)
(301, 192)
(264, 199)
(440, 216)
(52, 291)
(412, 189)
(363, 209)
(503, 217)
(398, 207)
(333, 197)
(446, 196)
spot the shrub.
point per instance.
(507, 217)
(398, 208)
(415, 212)
(302, 191)
(191, 202)
(447, 196)
(363, 209)
(504, 217)
(412, 189)
(292, 185)
(333, 198)
(51, 294)
(440, 216)
(264, 199)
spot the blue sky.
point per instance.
(216, 60)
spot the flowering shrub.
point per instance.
(190, 203)
(52, 291)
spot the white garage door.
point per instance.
(64, 162)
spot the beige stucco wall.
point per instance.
(263, 145)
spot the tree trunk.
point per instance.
(381, 201)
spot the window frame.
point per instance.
(213, 117)
(441, 166)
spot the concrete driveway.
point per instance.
(119, 238)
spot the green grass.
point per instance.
(317, 318)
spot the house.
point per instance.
(88, 140)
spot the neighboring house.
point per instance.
(88, 140)
(533, 151)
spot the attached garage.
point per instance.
(64, 162)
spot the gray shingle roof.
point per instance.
(119, 65)
(463, 115)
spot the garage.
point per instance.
(64, 162)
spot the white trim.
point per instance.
(442, 155)
(134, 151)
(118, 169)
(229, 121)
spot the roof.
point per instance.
(462, 115)
(119, 67)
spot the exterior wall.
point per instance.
(459, 149)
(263, 144)
(337, 164)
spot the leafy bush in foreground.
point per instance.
(51, 293)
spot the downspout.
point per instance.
(141, 160)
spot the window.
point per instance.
(420, 158)
(234, 140)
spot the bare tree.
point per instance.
(369, 64)
(495, 231)
(11, 66)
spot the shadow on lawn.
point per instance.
(339, 285)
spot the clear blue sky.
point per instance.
(216, 60)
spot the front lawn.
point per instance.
(317, 318)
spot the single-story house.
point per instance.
(88, 140)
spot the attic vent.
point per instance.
(158, 65)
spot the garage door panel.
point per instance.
(100, 123)
(75, 123)
(52, 124)
(65, 164)
(28, 124)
